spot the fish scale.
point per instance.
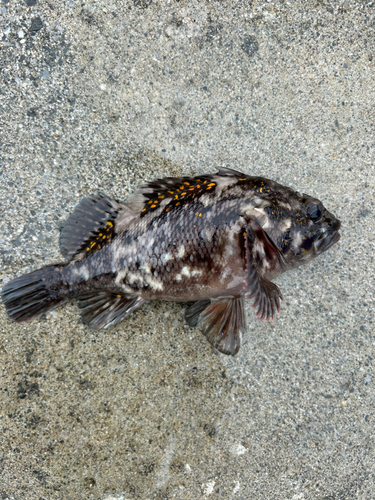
(213, 239)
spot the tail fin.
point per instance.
(32, 294)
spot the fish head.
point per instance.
(298, 225)
(313, 230)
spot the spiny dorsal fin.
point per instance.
(228, 172)
(93, 223)
(169, 192)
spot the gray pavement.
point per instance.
(105, 95)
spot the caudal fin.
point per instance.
(32, 294)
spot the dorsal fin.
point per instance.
(93, 223)
(171, 191)
(226, 171)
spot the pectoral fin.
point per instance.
(260, 252)
(222, 321)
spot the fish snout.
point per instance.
(330, 236)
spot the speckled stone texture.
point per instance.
(104, 95)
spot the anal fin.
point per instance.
(222, 321)
(103, 309)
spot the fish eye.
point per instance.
(314, 211)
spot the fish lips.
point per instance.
(328, 238)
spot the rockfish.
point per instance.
(214, 239)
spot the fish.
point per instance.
(214, 240)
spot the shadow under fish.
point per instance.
(214, 239)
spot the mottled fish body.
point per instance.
(213, 239)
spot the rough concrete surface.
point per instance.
(105, 95)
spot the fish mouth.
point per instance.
(328, 238)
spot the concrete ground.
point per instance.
(105, 95)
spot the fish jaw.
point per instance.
(328, 238)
